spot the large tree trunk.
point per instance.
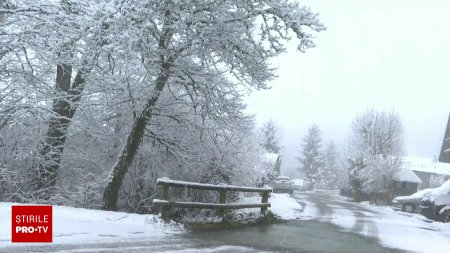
(65, 105)
(134, 139)
(64, 108)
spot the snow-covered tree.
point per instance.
(48, 51)
(270, 139)
(196, 46)
(374, 152)
(84, 84)
(311, 157)
(329, 172)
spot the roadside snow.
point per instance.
(284, 206)
(396, 229)
(75, 225)
(411, 232)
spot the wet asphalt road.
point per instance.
(316, 235)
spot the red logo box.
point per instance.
(32, 224)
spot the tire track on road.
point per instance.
(363, 217)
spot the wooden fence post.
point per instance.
(222, 206)
(165, 208)
(265, 199)
(222, 199)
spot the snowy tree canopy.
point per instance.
(374, 151)
(195, 46)
(378, 133)
(82, 77)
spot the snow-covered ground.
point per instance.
(284, 206)
(411, 232)
(74, 226)
(406, 231)
(77, 225)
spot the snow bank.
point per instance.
(282, 205)
(411, 232)
(285, 206)
(75, 225)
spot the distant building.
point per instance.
(444, 156)
(406, 182)
(270, 166)
(432, 173)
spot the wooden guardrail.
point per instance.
(222, 189)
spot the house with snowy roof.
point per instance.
(270, 166)
(405, 182)
(432, 173)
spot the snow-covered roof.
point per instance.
(407, 175)
(270, 157)
(426, 165)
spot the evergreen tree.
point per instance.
(328, 173)
(270, 139)
(311, 156)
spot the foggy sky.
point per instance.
(386, 55)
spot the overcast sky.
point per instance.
(386, 55)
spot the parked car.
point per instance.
(308, 185)
(283, 184)
(410, 203)
(299, 185)
(436, 205)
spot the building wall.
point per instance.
(443, 156)
(425, 177)
(430, 180)
(404, 188)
